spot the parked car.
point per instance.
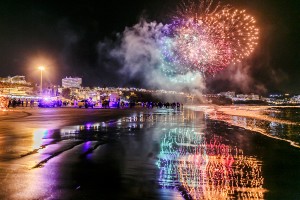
(86, 103)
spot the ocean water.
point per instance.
(285, 113)
(282, 123)
(288, 131)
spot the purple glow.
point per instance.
(87, 146)
(88, 126)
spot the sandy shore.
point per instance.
(57, 117)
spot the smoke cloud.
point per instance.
(238, 77)
(254, 75)
(137, 58)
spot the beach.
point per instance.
(71, 153)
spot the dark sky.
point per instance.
(65, 36)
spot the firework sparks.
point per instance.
(206, 40)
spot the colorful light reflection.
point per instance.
(206, 168)
(38, 137)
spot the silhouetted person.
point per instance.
(31, 103)
(14, 103)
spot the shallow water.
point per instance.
(285, 113)
(280, 123)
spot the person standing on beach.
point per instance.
(14, 103)
(9, 103)
(31, 103)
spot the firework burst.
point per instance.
(206, 40)
(234, 27)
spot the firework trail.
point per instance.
(192, 9)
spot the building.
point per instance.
(16, 87)
(228, 94)
(15, 80)
(114, 100)
(70, 82)
(246, 97)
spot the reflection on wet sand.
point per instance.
(189, 159)
(199, 166)
(204, 168)
(39, 136)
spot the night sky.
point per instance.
(65, 37)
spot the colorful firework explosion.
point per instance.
(200, 40)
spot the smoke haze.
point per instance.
(137, 58)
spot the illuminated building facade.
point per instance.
(70, 82)
(14, 79)
(228, 94)
(244, 97)
(15, 86)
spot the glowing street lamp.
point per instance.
(41, 68)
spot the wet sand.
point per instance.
(68, 153)
(40, 159)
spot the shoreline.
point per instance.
(16, 115)
(249, 112)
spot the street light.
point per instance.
(41, 68)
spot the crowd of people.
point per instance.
(20, 103)
(13, 103)
(162, 105)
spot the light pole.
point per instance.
(41, 68)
